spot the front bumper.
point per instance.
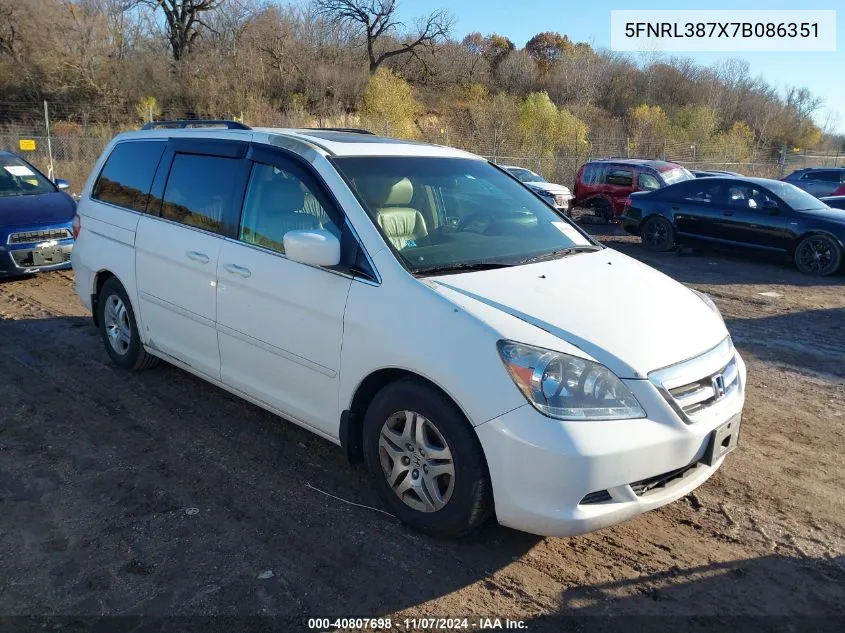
(561, 478)
(32, 249)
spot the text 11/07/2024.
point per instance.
(418, 624)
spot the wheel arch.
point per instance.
(351, 419)
(100, 279)
(810, 232)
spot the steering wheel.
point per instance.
(479, 216)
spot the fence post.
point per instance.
(50, 173)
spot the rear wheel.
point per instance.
(119, 329)
(818, 255)
(425, 460)
(657, 234)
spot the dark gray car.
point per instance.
(819, 181)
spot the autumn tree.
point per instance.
(546, 129)
(379, 24)
(389, 105)
(547, 48)
(647, 128)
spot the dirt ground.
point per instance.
(157, 494)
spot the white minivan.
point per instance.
(418, 306)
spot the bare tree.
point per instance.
(184, 19)
(378, 21)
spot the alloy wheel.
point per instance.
(116, 320)
(416, 461)
(655, 234)
(816, 255)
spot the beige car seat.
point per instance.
(389, 198)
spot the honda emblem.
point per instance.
(719, 386)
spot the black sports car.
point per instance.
(750, 213)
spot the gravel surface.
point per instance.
(158, 494)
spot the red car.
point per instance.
(603, 185)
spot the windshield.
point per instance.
(678, 174)
(450, 213)
(18, 178)
(797, 199)
(525, 175)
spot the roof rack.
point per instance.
(351, 130)
(195, 123)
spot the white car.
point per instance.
(558, 196)
(420, 308)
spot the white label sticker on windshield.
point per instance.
(571, 232)
(19, 170)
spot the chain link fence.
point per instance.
(65, 142)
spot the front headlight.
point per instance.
(709, 302)
(567, 387)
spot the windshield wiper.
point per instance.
(461, 268)
(561, 252)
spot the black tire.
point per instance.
(603, 210)
(818, 255)
(470, 500)
(657, 234)
(134, 357)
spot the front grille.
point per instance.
(696, 396)
(704, 387)
(28, 237)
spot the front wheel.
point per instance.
(818, 255)
(603, 210)
(425, 460)
(657, 234)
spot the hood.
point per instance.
(830, 214)
(550, 187)
(626, 315)
(46, 208)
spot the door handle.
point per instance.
(202, 258)
(234, 269)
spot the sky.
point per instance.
(822, 72)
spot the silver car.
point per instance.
(819, 181)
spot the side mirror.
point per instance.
(62, 184)
(313, 247)
(771, 206)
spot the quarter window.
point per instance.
(201, 190)
(127, 176)
(278, 201)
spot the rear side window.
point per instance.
(621, 177)
(827, 176)
(593, 174)
(202, 190)
(128, 174)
